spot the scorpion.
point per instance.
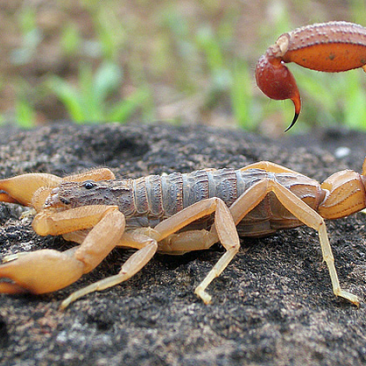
(172, 214)
(331, 47)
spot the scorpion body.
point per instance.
(147, 201)
(173, 214)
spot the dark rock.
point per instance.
(273, 305)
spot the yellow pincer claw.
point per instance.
(40, 272)
(20, 189)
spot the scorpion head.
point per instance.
(76, 194)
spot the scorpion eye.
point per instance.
(89, 185)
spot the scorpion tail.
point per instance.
(276, 81)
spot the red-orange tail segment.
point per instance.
(276, 81)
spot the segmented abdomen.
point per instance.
(157, 197)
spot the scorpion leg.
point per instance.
(269, 167)
(223, 230)
(146, 246)
(223, 227)
(301, 211)
(188, 241)
(49, 270)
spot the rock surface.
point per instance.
(273, 305)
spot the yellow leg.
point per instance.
(312, 219)
(224, 228)
(302, 212)
(269, 167)
(188, 241)
(133, 265)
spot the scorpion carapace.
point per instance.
(329, 47)
(172, 214)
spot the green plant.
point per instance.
(70, 39)
(229, 76)
(245, 107)
(31, 36)
(25, 114)
(89, 102)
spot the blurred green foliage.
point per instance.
(134, 66)
(88, 103)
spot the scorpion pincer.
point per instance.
(329, 47)
(173, 214)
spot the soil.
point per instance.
(272, 305)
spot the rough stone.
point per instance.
(273, 305)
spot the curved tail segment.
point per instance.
(327, 47)
(276, 81)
